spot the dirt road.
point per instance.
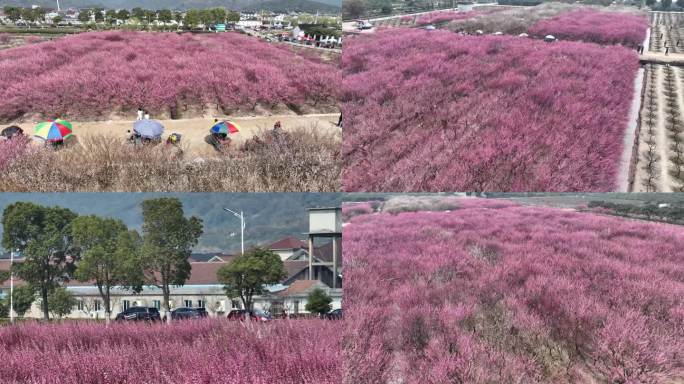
(195, 130)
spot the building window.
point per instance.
(98, 305)
(126, 304)
(201, 304)
(296, 307)
(80, 305)
(157, 303)
(188, 303)
(235, 304)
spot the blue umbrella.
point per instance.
(148, 128)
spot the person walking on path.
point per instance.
(141, 113)
(667, 50)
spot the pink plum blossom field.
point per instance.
(495, 292)
(472, 113)
(92, 75)
(594, 26)
(191, 352)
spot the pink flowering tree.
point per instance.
(494, 113)
(496, 292)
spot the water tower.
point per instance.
(325, 224)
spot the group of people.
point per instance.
(143, 114)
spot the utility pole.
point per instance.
(58, 6)
(240, 216)
(11, 287)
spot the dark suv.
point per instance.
(139, 314)
(335, 314)
(188, 313)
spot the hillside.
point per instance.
(268, 216)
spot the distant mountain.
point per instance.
(268, 216)
(324, 6)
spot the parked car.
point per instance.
(139, 314)
(257, 315)
(335, 314)
(184, 313)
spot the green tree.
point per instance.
(99, 16)
(61, 303)
(680, 3)
(43, 236)
(13, 13)
(666, 4)
(108, 256)
(27, 14)
(206, 17)
(39, 14)
(352, 9)
(168, 239)
(57, 19)
(149, 15)
(23, 298)
(318, 302)
(192, 18)
(84, 15)
(246, 275)
(178, 16)
(650, 3)
(110, 16)
(138, 13)
(4, 308)
(4, 276)
(218, 15)
(386, 7)
(123, 15)
(165, 15)
(233, 17)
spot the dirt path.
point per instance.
(642, 175)
(195, 130)
(628, 141)
(661, 137)
(664, 182)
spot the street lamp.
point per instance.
(240, 216)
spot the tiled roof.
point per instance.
(325, 252)
(293, 267)
(300, 287)
(288, 243)
(202, 273)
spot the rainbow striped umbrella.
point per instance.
(56, 130)
(225, 127)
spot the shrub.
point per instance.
(494, 292)
(10, 150)
(495, 113)
(309, 161)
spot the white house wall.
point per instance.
(214, 297)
